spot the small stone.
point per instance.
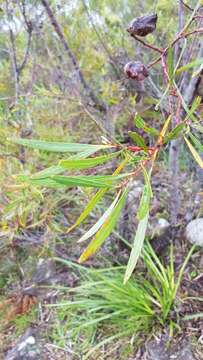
(163, 223)
(194, 232)
(30, 340)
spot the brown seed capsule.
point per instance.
(136, 70)
(143, 26)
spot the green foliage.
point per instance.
(102, 298)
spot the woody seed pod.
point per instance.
(143, 26)
(136, 70)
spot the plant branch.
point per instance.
(97, 103)
(152, 47)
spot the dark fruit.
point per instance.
(143, 26)
(136, 70)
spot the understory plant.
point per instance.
(178, 102)
(132, 310)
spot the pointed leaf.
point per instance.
(141, 124)
(189, 65)
(97, 181)
(55, 170)
(196, 142)
(137, 247)
(194, 153)
(174, 133)
(170, 58)
(144, 203)
(58, 146)
(105, 230)
(97, 197)
(86, 163)
(138, 139)
(100, 222)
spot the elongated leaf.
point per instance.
(194, 153)
(190, 65)
(46, 182)
(52, 170)
(86, 163)
(105, 230)
(144, 203)
(96, 198)
(57, 169)
(138, 139)
(174, 133)
(197, 127)
(170, 57)
(137, 247)
(89, 181)
(147, 179)
(90, 206)
(58, 146)
(146, 196)
(100, 222)
(196, 142)
(195, 104)
(141, 124)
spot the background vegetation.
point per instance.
(69, 86)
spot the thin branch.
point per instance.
(187, 6)
(152, 47)
(112, 61)
(180, 36)
(97, 103)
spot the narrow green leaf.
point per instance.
(105, 230)
(96, 198)
(195, 104)
(197, 127)
(90, 206)
(170, 63)
(196, 142)
(56, 170)
(52, 170)
(87, 163)
(141, 124)
(100, 222)
(138, 139)
(97, 181)
(174, 133)
(194, 153)
(190, 65)
(137, 247)
(58, 146)
(144, 203)
(46, 182)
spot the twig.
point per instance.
(186, 5)
(152, 47)
(97, 103)
(112, 61)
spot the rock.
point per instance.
(194, 232)
(160, 350)
(26, 348)
(161, 226)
